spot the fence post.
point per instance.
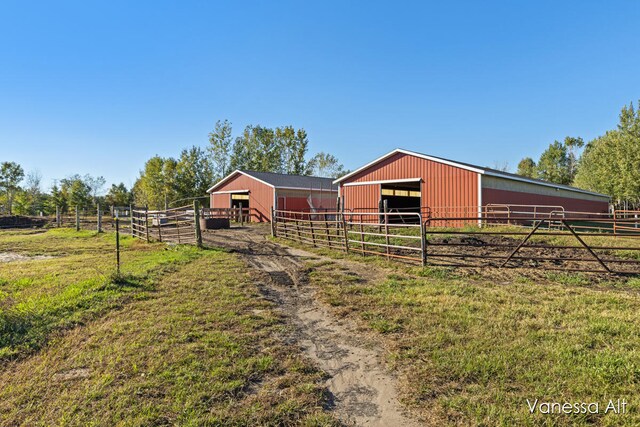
(131, 218)
(385, 207)
(273, 222)
(241, 216)
(196, 218)
(423, 241)
(99, 219)
(146, 222)
(344, 233)
(57, 216)
(117, 244)
(313, 235)
(326, 228)
(77, 219)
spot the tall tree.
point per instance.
(119, 195)
(553, 165)
(95, 184)
(11, 174)
(573, 145)
(325, 165)
(220, 144)
(610, 163)
(527, 167)
(294, 149)
(194, 174)
(156, 185)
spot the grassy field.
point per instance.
(184, 337)
(471, 349)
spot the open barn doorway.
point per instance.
(238, 200)
(402, 197)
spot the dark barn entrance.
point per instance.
(402, 198)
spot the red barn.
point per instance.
(261, 191)
(410, 181)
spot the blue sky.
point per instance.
(99, 87)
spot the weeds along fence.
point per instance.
(178, 225)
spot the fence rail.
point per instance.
(568, 242)
(178, 225)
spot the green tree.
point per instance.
(76, 192)
(294, 149)
(11, 174)
(527, 167)
(30, 200)
(573, 145)
(119, 195)
(610, 163)
(156, 185)
(194, 174)
(325, 165)
(553, 165)
(220, 144)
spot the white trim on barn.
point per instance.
(228, 177)
(388, 181)
(230, 191)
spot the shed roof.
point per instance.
(282, 180)
(474, 168)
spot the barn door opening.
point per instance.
(241, 198)
(401, 198)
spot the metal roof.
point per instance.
(282, 180)
(474, 168)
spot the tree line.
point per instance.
(22, 194)
(167, 181)
(608, 164)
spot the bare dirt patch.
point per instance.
(364, 392)
(12, 256)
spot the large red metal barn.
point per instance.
(417, 182)
(260, 191)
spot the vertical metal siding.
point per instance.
(260, 195)
(443, 185)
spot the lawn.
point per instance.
(184, 337)
(470, 348)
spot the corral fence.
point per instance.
(97, 218)
(549, 239)
(178, 225)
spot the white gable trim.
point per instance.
(231, 175)
(387, 181)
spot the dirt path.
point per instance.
(364, 392)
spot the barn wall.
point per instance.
(510, 185)
(260, 196)
(442, 185)
(491, 195)
(296, 200)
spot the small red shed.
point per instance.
(261, 191)
(417, 182)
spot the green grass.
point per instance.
(40, 296)
(471, 350)
(182, 337)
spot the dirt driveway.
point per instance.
(363, 391)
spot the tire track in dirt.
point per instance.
(364, 392)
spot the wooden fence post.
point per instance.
(77, 219)
(241, 216)
(146, 222)
(99, 219)
(273, 222)
(57, 216)
(344, 233)
(313, 235)
(196, 219)
(131, 218)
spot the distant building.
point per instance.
(261, 191)
(418, 182)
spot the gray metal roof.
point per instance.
(280, 180)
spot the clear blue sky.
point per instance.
(99, 87)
